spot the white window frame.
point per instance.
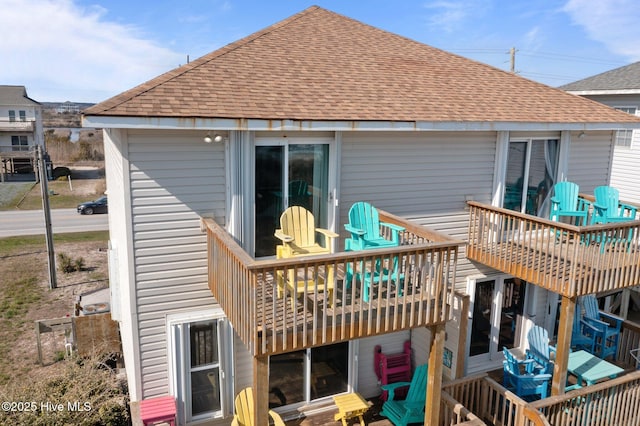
(625, 135)
(179, 360)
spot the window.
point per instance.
(12, 115)
(200, 356)
(19, 143)
(624, 137)
(23, 116)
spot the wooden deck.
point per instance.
(568, 260)
(270, 322)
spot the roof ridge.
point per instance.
(203, 60)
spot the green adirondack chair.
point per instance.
(607, 207)
(608, 325)
(566, 203)
(411, 409)
(365, 229)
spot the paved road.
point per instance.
(31, 222)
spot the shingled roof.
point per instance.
(319, 65)
(15, 96)
(621, 79)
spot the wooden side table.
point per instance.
(349, 406)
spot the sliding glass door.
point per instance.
(288, 173)
(308, 375)
(531, 173)
(496, 317)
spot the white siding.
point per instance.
(625, 174)
(175, 179)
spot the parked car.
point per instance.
(91, 207)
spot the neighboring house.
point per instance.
(360, 114)
(620, 89)
(20, 130)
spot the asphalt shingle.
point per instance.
(319, 65)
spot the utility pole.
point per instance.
(512, 52)
(42, 173)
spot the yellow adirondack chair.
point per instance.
(298, 235)
(244, 415)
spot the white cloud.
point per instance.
(611, 22)
(61, 51)
(451, 15)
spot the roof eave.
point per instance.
(197, 123)
(605, 92)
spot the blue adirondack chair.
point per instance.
(539, 349)
(608, 326)
(526, 384)
(365, 229)
(411, 409)
(607, 207)
(566, 203)
(584, 335)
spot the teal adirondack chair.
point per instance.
(607, 207)
(566, 203)
(411, 409)
(539, 349)
(527, 383)
(608, 326)
(365, 229)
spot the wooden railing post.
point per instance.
(563, 346)
(261, 389)
(434, 378)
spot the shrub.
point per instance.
(89, 396)
(69, 265)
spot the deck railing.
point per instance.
(613, 402)
(272, 315)
(566, 259)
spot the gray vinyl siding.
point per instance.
(590, 160)
(367, 384)
(424, 177)
(175, 179)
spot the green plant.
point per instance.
(68, 264)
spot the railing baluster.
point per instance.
(273, 315)
(565, 259)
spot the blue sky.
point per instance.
(88, 51)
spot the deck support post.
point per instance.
(261, 389)
(434, 376)
(563, 345)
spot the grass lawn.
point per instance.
(25, 295)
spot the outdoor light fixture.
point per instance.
(581, 135)
(216, 138)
